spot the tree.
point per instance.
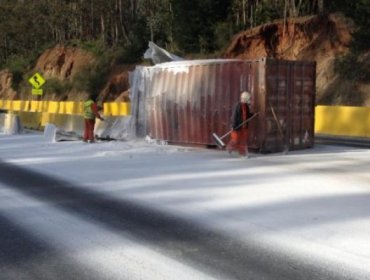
(184, 25)
(195, 23)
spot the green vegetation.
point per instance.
(17, 66)
(125, 26)
(56, 86)
(352, 66)
(118, 31)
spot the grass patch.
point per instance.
(56, 86)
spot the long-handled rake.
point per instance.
(218, 140)
(286, 148)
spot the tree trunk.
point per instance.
(123, 29)
(320, 5)
(133, 9)
(285, 15)
(92, 19)
(117, 34)
(102, 26)
(244, 15)
(251, 21)
(292, 9)
(170, 39)
(298, 10)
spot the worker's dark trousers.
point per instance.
(89, 129)
(238, 141)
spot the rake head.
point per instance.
(218, 141)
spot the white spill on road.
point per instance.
(312, 204)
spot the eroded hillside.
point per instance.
(65, 69)
(323, 39)
(318, 38)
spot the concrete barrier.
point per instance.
(10, 124)
(329, 120)
(342, 121)
(65, 107)
(67, 117)
(71, 127)
(55, 134)
(30, 120)
(65, 122)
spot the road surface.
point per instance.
(137, 211)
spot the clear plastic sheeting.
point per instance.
(166, 96)
(115, 128)
(159, 55)
(139, 82)
(55, 134)
(112, 128)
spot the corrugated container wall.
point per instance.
(185, 102)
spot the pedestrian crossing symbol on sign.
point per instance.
(36, 81)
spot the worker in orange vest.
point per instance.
(90, 113)
(239, 136)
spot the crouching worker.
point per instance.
(239, 136)
(90, 113)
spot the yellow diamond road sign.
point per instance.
(36, 80)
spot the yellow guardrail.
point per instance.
(117, 108)
(36, 114)
(67, 107)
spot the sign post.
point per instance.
(37, 82)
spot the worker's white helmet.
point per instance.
(245, 97)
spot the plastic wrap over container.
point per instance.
(184, 102)
(159, 55)
(117, 128)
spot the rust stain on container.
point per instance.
(189, 100)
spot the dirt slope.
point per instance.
(322, 39)
(62, 63)
(6, 91)
(118, 85)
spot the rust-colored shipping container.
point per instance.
(185, 102)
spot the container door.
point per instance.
(276, 106)
(302, 83)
